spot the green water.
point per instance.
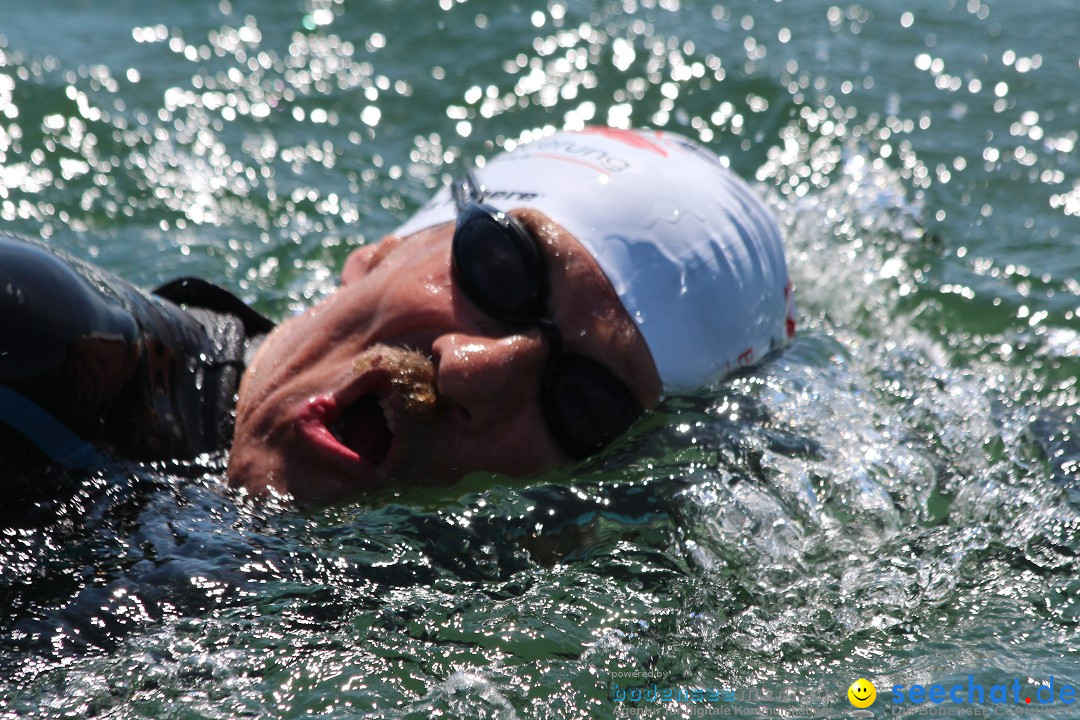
(896, 497)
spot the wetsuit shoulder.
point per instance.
(115, 365)
(46, 309)
(46, 306)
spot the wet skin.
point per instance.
(399, 378)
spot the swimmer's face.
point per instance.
(399, 378)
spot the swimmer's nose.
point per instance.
(492, 379)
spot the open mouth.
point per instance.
(362, 427)
(356, 433)
(362, 424)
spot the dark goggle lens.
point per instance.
(497, 263)
(499, 266)
(586, 406)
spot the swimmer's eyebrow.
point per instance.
(542, 230)
(548, 239)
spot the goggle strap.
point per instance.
(466, 190)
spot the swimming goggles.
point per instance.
(499, 266)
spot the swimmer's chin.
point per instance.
(256, 480)
(263, 473)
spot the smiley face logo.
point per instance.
(862, 693)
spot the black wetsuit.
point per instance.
(89, 363)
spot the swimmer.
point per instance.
(523, 319)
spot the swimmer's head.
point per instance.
(654, 269)
(693, 255)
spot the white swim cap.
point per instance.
(695, 257)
